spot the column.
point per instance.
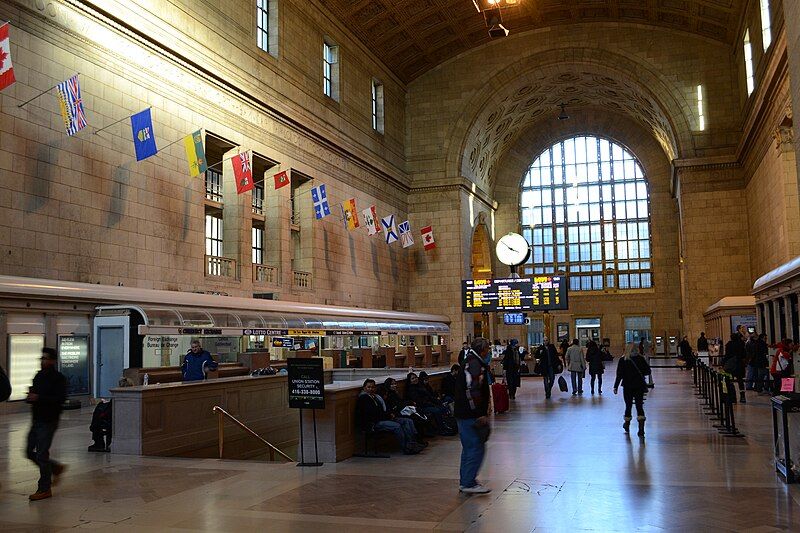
(236, 221)
(776, 319)
(791, 14)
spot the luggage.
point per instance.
(562, 384)
(500, 397)
(523, 369)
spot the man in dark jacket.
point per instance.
(46, 395)
(734, 362)
(550, 360)
(702, 343)
(196, 362)
(372, 415)
(511, 364)
(471, 410)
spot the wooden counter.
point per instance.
(176, 419)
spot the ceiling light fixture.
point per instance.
(563, 115)
(492, 16)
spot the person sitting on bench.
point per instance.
(427, 404)
(372, 416)
(395, 405)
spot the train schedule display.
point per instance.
(537, 293)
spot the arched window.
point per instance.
(586, 212)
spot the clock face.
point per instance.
(512, 249)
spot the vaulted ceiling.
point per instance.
(413, 36)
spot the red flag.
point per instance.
(427, 238)
(281, 179)
(243, 172)
(6, 69)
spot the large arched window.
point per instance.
(586, 212)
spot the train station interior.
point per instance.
(308, 194)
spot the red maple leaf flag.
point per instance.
(6, 69)
(427, 238)
(281, 179)
(242, 172)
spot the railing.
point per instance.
(265, 274)
(220, 266)
(301, 280)
(258, 203)
(223, 413)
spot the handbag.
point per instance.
(648, 385)
(562, 384)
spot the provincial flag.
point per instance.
(195, 153)
(427, 238)
(69, 96)
(242, 172)
(371, 220)
(388, 227)
(6, 69)
(281, 179)
(144, 141)
(405, 234)
(320, 198)
(349, 214)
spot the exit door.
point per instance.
(587, 329)
(111, 336)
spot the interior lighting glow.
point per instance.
(701, 116)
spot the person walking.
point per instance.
(46, 396)
(549, 366)
(734, 362)
(463, 353)
(631, 372)
(577, 366)
(594, 356)
(471, 412)
(761, 364)
(702, 342)
(511, 364)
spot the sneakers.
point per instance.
(477, 489)
(40, 495)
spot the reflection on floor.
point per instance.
(561, 465)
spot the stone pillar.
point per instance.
(776, 318)
(791, 15)
(277, 212)
(787, 314)
(760, 318)
(236, 221)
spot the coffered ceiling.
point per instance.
(413, 36)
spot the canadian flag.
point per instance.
(427, 238)
(6, 69)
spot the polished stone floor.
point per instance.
(559, 465)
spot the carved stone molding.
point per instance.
(784, 133)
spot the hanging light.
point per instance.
(563, 115)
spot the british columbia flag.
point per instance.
(69, 95)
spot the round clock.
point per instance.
(512, 249)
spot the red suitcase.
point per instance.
(500, 397)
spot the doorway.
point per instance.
(587, 329)
(111, 336)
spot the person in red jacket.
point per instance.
(781, 366)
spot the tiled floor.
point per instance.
(562, 465)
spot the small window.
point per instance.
(258, 198)
(267, 26)
(258, 245)
(213, 235)
(701, 117)
(377, 106)
(748, 63)
(330, 69)
(766, 30)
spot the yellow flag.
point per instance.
(195, 153)
(349, 214)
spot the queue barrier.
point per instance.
(717, 393)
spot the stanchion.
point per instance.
(730, 419)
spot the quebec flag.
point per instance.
(144, 141)
(320, 199)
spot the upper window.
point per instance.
(748, 63)
(586, 213)
(267, 26)
(330, 69)
(377, 106)
(766, 31)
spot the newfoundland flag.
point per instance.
(143, 139)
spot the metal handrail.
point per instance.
(220, 411)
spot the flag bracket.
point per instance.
(23, 104)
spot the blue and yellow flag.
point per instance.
(195, 153)
(144, 141)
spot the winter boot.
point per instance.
(742, 397)
(641, 420)
(627, 425)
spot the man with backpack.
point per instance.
(471, 412)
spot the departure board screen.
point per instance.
(538, 293)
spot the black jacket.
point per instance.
(702, 344)
(631, 373)
(420, 395)
(761, 354)
(594, 356)
(369, 411)
(449, 385)
(51, 387)
(685, 350)
(472, 401)
(735, 349)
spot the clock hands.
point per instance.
(510, 248)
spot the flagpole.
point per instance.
(117, 122)
(43, 92)
(222, 161)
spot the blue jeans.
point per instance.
(40, 437)
(472, 451)
(577, 380)
(398, 429)
(750, 377)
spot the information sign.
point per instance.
(538, 293)
(306, 383)
(73, 358)
(282, 342)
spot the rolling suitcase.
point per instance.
(500, 397)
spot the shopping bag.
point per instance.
(562, 384)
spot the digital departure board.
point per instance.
(537, 293)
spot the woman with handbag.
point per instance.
(631, 372)
(595, 359)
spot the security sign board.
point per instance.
(306, 383)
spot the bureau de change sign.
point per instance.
(306, 383)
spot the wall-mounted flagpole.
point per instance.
(23, 104)
(117, 122)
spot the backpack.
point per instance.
(5, 386)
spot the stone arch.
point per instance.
(481, 252)
(518, 95)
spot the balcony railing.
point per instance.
(301, 280)
(265, 274)
(222, 267)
